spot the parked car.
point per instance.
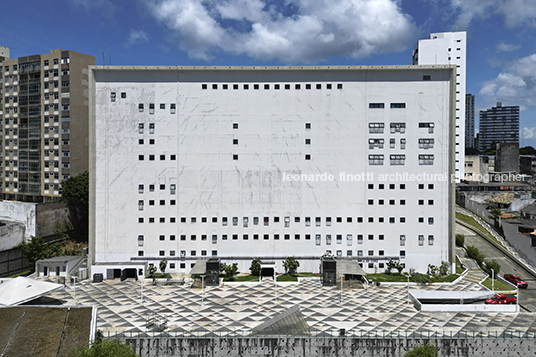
(516, 280)
(502, 299)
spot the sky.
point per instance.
(501, 36)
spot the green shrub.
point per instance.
(419, 278)
(460, 240)
(255, 267)
(422, 351)
(291, 265)
(475, 254)
(492, 264)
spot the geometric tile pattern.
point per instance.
(239, 308)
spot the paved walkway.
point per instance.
(238, 308)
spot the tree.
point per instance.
(151, 272)
(230, 270)
(75, 194)
(460, 240)
(163, 266)
(395, 264)
(104, 348)
(492, 264)
(475, 254)
(255, 267)
(423, 351)
(37, 249)
(527, 150)
(291, 265)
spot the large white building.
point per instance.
(246, 162)
(449, 48)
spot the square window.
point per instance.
(339, 86)
(162, 237)
(162, 106)
(162, 220)
(339, 219)
(276, 86)
(151, 141)
(431, 202)
(371, 219)
(402, 186)
(307, 86)
(349, 219)
(204, 86)
(307, 141)
(162, 253)
(391, 202)
(421, 219)
(381, 237)
(203, 237)
(162, 157)
(392, 186)
(402, 219)
(140, 157)
(380, 202)
(307, 157)
(151, 157)
(151, 202)
(203, 219)
(255, 86)
(214, 86)
(370, 186)
(225, 86)
(235, 157)
(235, 141)
(246, 86)
(297, 86)
(235, 236)
(140, 253)
(307, 236)
(307, 125)
(140, 220)
(380, 219)
(319, 86)
(287, 86)
(381, 186)
(402, 202)
(172, 202)
(140, 141)
(162, 202)
(371, 237)
(151, 219)
(266, 86)
(421, 202)
(172, 237)
(183, 237)
(235, 125)
(214, 219)
(193, 219)
(287, 236)
(421, 186)
(276, 236)
(235, 86)
(370, 202)
(359, 219)
(391, 219)
(431, 186)
(266, 236)
(328, 86)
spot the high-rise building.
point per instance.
(269, 162)
(44, 123)
(4, 53)
(469, 121)
(449, 48)
(498, 124)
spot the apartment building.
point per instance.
(188, 163)
(44, 123)
(498, 124)
(470, 121)
(449, 48)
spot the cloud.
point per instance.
(137, 36)
(529, 133)
(291, 31)
(516, 85)
(504, 47)
(515, 12)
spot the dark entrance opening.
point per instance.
(117, 273)
(129, 273)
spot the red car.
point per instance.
(516, 280)
(502, 299)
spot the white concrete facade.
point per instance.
(192, 162)
(449, 48)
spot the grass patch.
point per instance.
(287, 277)
(499, 285)
(382, 277)
(305, 275)
(471, 221)
(24, 273)
(159, 276)
(447, 279)
(243, 278)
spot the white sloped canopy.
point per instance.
(19, 290)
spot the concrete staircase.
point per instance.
(474, 274)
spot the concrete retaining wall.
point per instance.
(19, 212)
(327, 346)
(11, 234)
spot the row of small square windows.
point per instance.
(152, 157)
(266, 220)
(275, 86)
(318, 238)
(162, 253)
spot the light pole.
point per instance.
(74, 278)
(492, 281)
(408, 288)
(142, 290)
(202, 289)
(341, 289)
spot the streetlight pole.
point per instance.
(341, 289)
(142, 290)
(202, 289)
(492, 280)
(408, 289)
(74, 277)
